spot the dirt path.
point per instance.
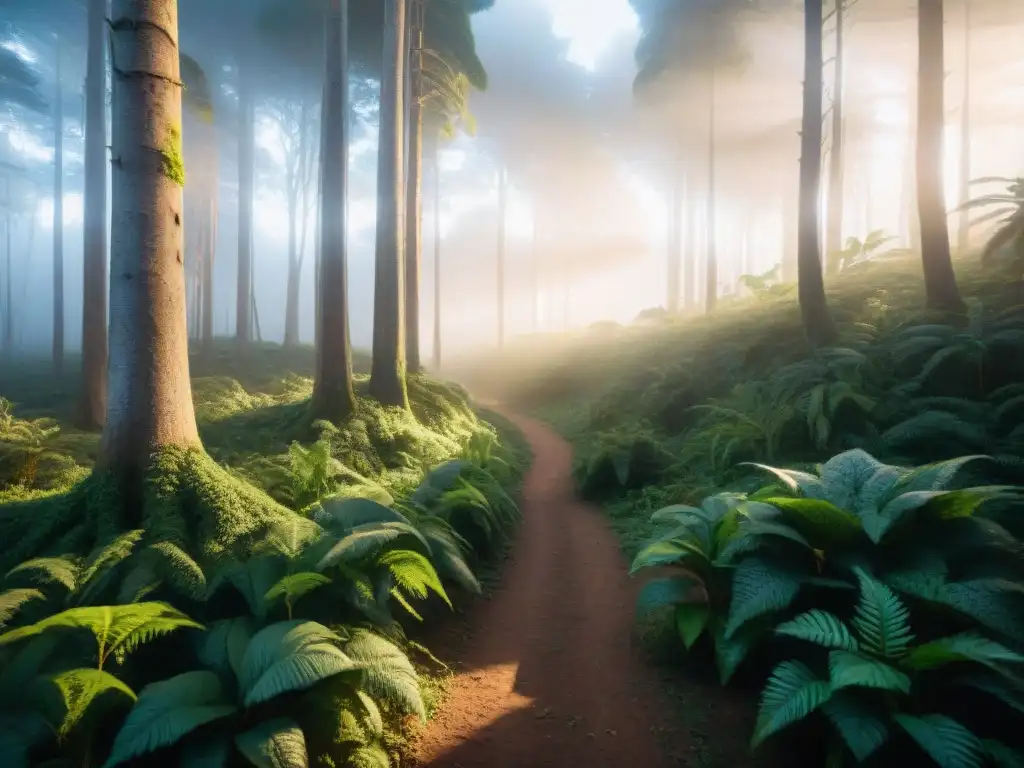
(547, 674)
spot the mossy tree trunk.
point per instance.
(834, 224)
(149, 403)
(387, 373)
(818, 323)
(940, 285)
(246, 163)
(333, 392)
(414, 185)
(93, 397)
(57, 350)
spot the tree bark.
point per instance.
(207, 276)
(150, 396)
(93, 403)
(834, 225)
(414, 198)
(58, 219)
(964, 222)
(387, 373)
(818, 323)
(437, 252)
(711, 270)
(246, 153)
(333, 392)
(502, 214)
(939, 279)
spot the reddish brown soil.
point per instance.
(548, 673)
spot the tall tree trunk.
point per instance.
(674, 272)
(908, 200)
(437, 251)
(818, 323)
(246, 163)
(414, 183)
(963, 222)
(711, 270)
(93, 403)
(502, 214)
(8, 338)
(939, 279)
(150, 396)
(387, 373)
(333, 393)
(690, 246)
(834, 225)
(319, 223)
(291, 301)
(58, 219)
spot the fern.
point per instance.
(791, 694)
(79, 688)
(277, 743)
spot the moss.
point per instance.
(173, 162)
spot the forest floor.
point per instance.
(548, 673)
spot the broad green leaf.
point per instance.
(277, 743)
(222, 647)
(1002, 756)
(369, 539)
(672, 590)
(848, 669)
(295, 585)
(414, 573)
(168, 710)
(934, 477)
(795, 482)
(387, 673)
(857, 723)
(967, 501)
(342, 515)
(791, 694)
(691, 619)
(964, 647)
(668, 552)
(820, 522)
(821, 628)
(730, 652)
(12, 600)
(946, 741)
(994, 603)
(845, 474)
(758, 588)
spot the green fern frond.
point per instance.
(967, 646)
(167, 711)
(294, 586)
(821, 628)
(847, 669)
(107, 556)
(759, 588)
(791, 694)
(12, 600)
(369, 539)
(388, 675)
(50, 570)
(277, 743)
(858, 725)
(369, 756)
(881, 620)
(414, 573)
(79, 688)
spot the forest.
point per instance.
(652, 393)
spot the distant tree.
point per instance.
(939, 278)
(150, 398)
(58, 213)
(818, 323)
(93, 397)
(834, 223)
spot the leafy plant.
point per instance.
(765, 285)
(880, 679)
(751, 421)
(1008, 207)
(856, 250)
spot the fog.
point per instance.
(589, 159)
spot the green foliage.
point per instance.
(173, 163)
(856, 251)
(1008, 207)
(880, 680)
(766, 285)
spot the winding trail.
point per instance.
(548, 675)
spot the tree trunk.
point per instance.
(414, 198)
(208, 257)
(674, 272)
(834, 226)
(939, 279)
(437, 252)
(291, 301)
(963, 222)
(711, 271)
(333, 393)
(246, 153)
(818, 323)
(8, 337)
(909, 197)
(150, 396)
(387, 373)
(58, 220)
(690, 247)
(502, 213)
(93, 403)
